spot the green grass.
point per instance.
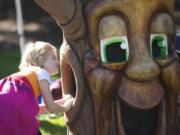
(9, 61)
(52, 125)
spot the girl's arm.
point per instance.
(62, 102)
(42, 109)
(61, 105)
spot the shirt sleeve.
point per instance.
(43, 74)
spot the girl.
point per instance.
(19, 91)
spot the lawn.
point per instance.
(9, 61)
(52, 125)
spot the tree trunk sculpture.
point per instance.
(118, 60)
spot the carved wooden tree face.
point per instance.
(130, 65)
(133, 43)
(136, 37)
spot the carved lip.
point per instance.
(141, 95)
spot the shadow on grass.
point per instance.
(52, 129)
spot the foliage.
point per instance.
(9, 61)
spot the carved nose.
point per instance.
(141, 66)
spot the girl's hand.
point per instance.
(64, 98)
(68, 102)
(67, 96)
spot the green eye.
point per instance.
(158, 46)
(114, 49)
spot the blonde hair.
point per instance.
(35, 54)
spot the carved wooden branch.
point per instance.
(68, 14)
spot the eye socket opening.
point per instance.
(159, 46)
(114, 50)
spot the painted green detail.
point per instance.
(159, 40)
(108, 43)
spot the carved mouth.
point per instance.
(139, 122)
(140, 106)
(142, 122)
